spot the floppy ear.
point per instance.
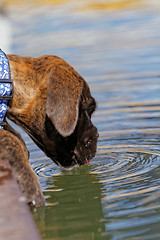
(63, 96)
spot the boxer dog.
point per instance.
(53, 104)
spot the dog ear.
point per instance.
(63, 96)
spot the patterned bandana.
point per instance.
(5, 86)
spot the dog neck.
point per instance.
(22, 74)
(29, 89)
(5, 87)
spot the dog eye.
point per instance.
(91, 109)
(90, 106)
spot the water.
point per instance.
(116, 48)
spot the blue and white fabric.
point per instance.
(5, 87)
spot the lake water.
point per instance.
(116, 48)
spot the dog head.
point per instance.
(58, 115)
(71, 138)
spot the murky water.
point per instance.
(116, 48)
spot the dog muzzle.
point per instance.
(6, 87)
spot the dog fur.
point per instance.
(53, 104)
(13, 149)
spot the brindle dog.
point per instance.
(53, 104)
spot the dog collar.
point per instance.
(6, 86)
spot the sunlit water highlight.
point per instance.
(117, 196)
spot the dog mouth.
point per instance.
(81, 155)
(77, 161)
(71, 163)
(72, 151)
(87, 162)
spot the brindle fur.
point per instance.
(13, 148)
(53, 104)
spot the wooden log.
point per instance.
(16, 222)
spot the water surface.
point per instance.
(117, 50)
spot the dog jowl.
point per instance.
(53, 104)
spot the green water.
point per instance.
(117, 50)
(74, 207)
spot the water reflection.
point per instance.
(74, 206)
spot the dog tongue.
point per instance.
(86, 162)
